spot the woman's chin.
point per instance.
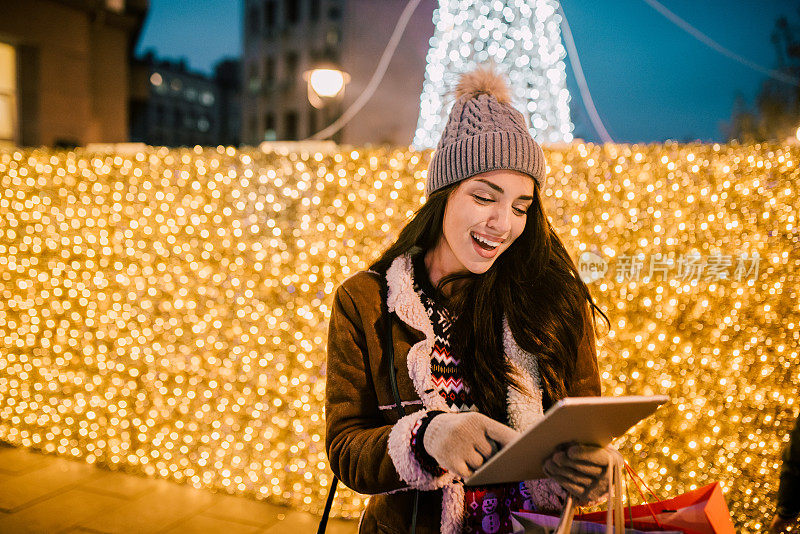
(479, 265)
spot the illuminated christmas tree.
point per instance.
(522, 38)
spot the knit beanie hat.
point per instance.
(483, 133)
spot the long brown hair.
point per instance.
(534, 283)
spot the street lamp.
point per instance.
(326, 84)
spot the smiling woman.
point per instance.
(485, 216)
(488, 323)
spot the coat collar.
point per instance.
(406, 303)
(402, 299)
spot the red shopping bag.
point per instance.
(701, 511)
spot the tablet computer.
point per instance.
(591, 420)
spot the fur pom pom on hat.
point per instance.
(484, 132)
(483, 81)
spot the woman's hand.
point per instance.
(580, 470)
(461, 442)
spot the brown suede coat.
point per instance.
(360, 412)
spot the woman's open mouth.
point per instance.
(484, 247)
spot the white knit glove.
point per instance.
(580, 470)
(461, 442)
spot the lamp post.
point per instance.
(326, 84)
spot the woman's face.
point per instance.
(483, 217)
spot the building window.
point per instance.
(8, 94)
(159, 83)
(253, 128)
(291, 11)
(161, 114)
(252, 20)
(117, 6)
(290, 126)
(333, 37)
(335, 11)
(270, 16)
(269, 71)
(253, 81)
(270, 133)
(315, 8)
(292, 61)
(207, 98)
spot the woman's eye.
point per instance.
(481, 199)
(520, 211)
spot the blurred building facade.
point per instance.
(285, 38)
(65, 70)
(228, 79)
(174, 106)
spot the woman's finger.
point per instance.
(569, 486)
(589, 470)
(577, 478)
(562, 459)
(474, 460)
(590, 454)
(462, 470)
(484, 448)
(501, 433)
(559, 458)
(553, 470)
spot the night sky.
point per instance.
(650, 80)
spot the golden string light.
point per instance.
(165, 312)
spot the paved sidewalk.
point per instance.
(41, 493)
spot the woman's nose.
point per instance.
(500, 220)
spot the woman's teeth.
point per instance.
(485, 243)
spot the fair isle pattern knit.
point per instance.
(487, 508)
(444, 366)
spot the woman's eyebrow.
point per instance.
(500, 189)
(493, 186)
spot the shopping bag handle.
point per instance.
(635, 476)
(615, 518)
(614, 515)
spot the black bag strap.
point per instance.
(388, 352)
(388, 346)
(323, 523)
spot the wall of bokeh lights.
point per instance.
(165, 312)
